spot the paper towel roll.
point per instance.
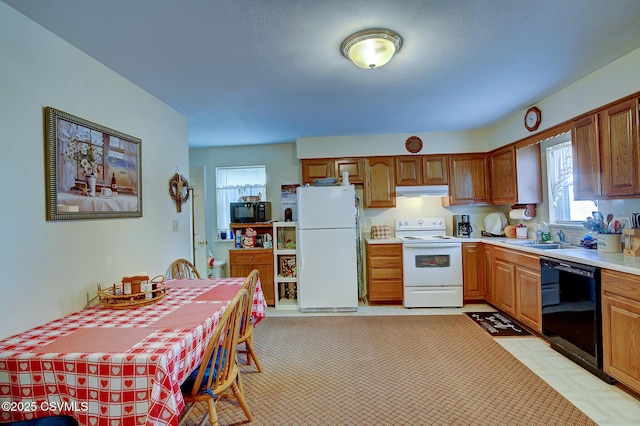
(519, 214)
(345, 178)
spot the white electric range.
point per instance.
(432, 263)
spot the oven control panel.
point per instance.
(429, 223)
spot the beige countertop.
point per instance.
(614, 261)
(383, 240)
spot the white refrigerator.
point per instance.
(326, 249)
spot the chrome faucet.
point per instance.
(561, 236)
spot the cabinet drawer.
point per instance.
(529, 261)
(385, 273)
(385, 262)
(622, 284)
(385, 290)
(389, 250)
(251, 256)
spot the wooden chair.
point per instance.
(219, 371)
(182, 268)
(246, 328)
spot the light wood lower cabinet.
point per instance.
(516, 286)
(473, 271)
(384, 273)
(621, 327)
(243, 261)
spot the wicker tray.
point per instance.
(114, 297)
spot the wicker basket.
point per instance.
(133, 292)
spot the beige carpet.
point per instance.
(391, 370)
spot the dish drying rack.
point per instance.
(133, 292)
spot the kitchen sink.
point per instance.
(532, 244)
(544, 246)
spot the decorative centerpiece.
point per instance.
(133, 292)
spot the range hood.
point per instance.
(422, 191)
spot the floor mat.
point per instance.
(497, 324)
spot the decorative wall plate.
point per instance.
(413, 144)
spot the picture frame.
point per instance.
(91, 171)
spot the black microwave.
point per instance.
(251, 212)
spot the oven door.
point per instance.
(432, 264)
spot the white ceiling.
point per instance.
(269, 71)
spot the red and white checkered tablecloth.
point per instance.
(113, 367)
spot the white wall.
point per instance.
(611, 82)
(282, 167)
(371, 145)
(48, 267)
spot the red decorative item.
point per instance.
(413, 144)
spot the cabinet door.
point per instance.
(355, 167)
(243, 261)
(528, 298)
(317, 168)
(619, 137)
(504, 297)
(409, 170)
(435, 169)
(468, 179)
(380, 185)
(586, 159)
(621, 327)
(473, 275)
(488, 266)
(266, 282)
(621, 320)
(503, 176)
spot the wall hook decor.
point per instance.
(179, 190)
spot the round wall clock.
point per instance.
(532, 118)
(413, 144)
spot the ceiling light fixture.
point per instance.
(371, 48)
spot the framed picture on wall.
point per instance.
(92, 172)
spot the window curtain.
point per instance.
(560, 169)
(231, 194)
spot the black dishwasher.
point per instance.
(572, 313)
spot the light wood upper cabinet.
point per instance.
(380, 182)
(435, 169)
(355, 167)
(409, 170)
(317, 168)
(586, 158)
(516, 177)
(503, 175)
(619, 149)
(422, 170)
(468, 179)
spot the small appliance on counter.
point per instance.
(462, 226)
(494, 224)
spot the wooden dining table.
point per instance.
(116, 367)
